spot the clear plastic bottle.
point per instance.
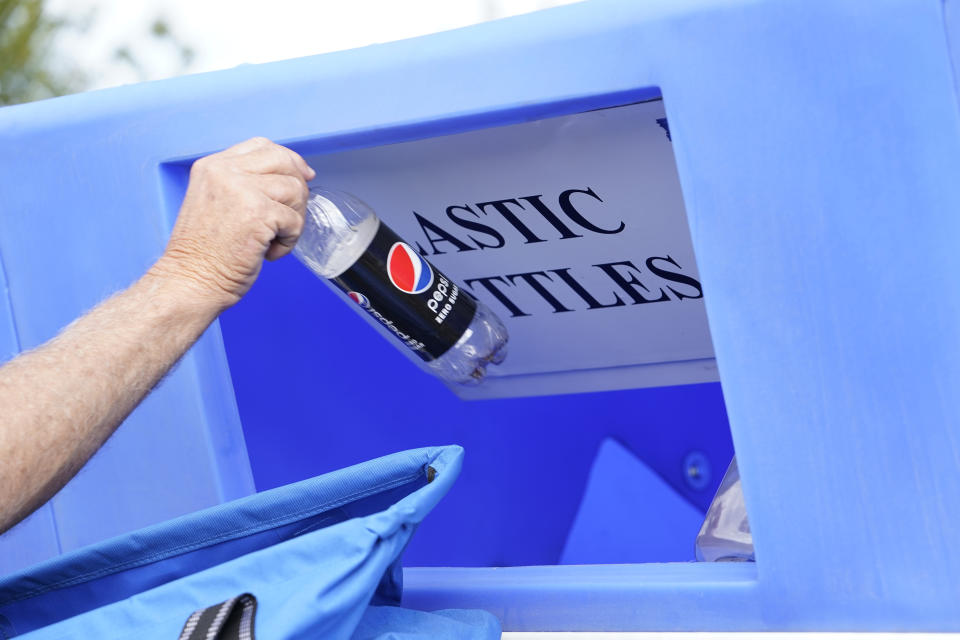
(344, 241)
(725, 535)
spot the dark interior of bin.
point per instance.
(318, 390)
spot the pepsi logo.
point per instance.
(360, 299)
(408, 271)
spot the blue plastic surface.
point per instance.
(629, 515)
(394, 623)
(35, 538)
(818, 144)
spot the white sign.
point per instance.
(572, 229)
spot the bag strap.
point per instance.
(230, 620)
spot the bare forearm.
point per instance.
(62, 400)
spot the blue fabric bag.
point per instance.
(319, 559)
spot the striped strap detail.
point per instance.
(230, 620)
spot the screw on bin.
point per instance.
(696, 470)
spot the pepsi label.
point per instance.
(422, 307)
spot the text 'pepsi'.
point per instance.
(344, 241)
(403, 291)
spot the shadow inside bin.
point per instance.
(318, 391)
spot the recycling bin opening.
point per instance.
(603, 436)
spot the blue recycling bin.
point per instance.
(658, 198)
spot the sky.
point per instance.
(225, 33)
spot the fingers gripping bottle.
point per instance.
(344, 241)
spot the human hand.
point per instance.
(243, 204)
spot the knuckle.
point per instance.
(294, 167)
(283, 158)
(208, 166)
(292, 160)
(280, 156)
(200, 166)
(295, 185)
(294, 221)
